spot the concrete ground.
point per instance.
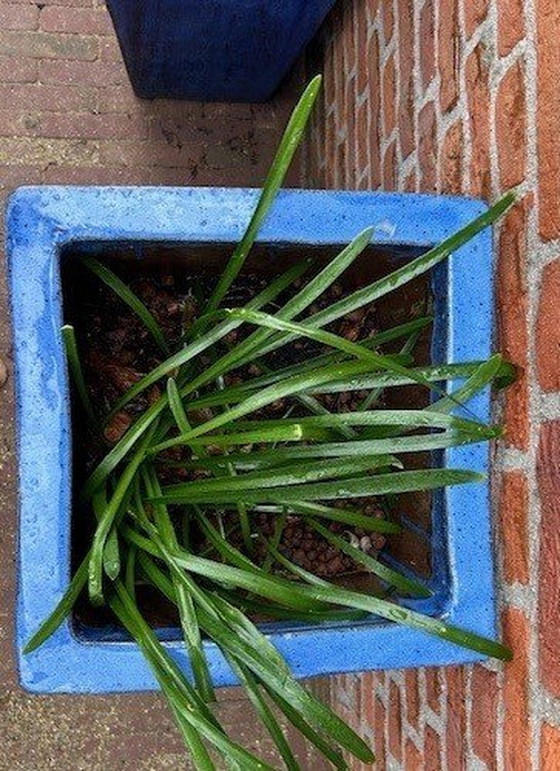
(68, 115)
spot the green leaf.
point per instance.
(184, 600)
(105, 524)
(252, 688)
(280, 590)
(173, 683)
(69, 338)
(404, 419)
(294, 474)
(282, 160)
(234, 394)
(244, 641)
(339, 489)
(347, 516)
(176, 406)
(261, 399)
(64, 607)
(393, 577)
(204, 342)
(403, 275)
(376, 360)
(247, 350)
(270, 667)
(269, 459)
(127, 296)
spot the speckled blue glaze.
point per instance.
(41, 221)
(213, 50)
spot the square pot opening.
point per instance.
(421, 549)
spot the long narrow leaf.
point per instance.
(376, 360)
(64, 607)
(401, 276)
(399, 581)
(278, 590)
(127, 296)
(69, 338)
(380, 484)
(282, 160)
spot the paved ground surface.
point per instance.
(68, 115)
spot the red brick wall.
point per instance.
(463, 96)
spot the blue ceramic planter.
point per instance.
(213, 50)
(42, 225)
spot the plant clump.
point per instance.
(226, 458)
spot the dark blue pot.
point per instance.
(213, 50)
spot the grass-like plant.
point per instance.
(311, 466)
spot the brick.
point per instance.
(330, 142)
(23, 151)
(448, 53)
(427, 148)
(367, 702)
(15, 176)
(46, 45)
(451, 160)
(107, 175)
(517, 733)
(362, 36)
(548, 109)
(372, 9)
(348, 61)
(109, 49)
(390, 167)
(374, 87)
(455, 731)
(350, 112)
(363, 137)
(410, 184)
(432, 750)
(100, 74)
(511, 24)
(433, 681)
(73, 3)
(388, 21)
(406, 77)
(341, 160)
(412, 697)
(18, 17)
(475, 12)
(512, 320)
(514, 533)
(511, 127)
(16, 69)
(18, 98)
(122, 99)
(548, 476)
(550, 747)
(380, 718)
(395, 722)
(478, 94)
(413, 760)
(548, 328)
(389, 96)
(84, 21)
(77, 125)
(483, 718)
(427, 49)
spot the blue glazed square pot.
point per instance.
(43, 223)
(213, 50)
